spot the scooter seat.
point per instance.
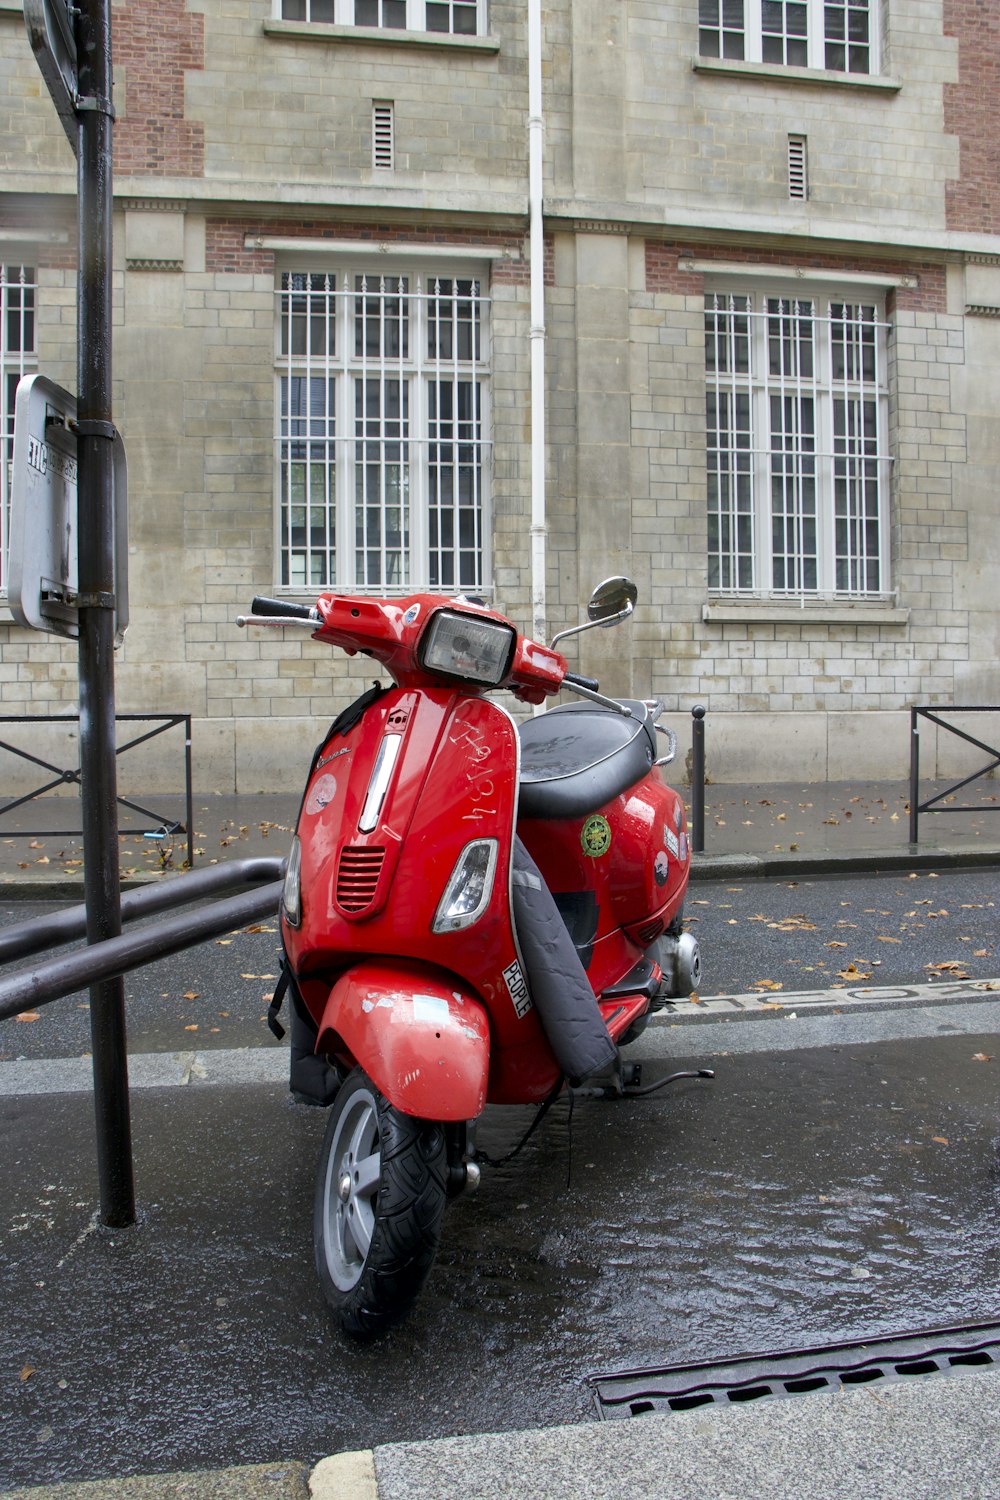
(577, 757)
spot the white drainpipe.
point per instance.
(536, 130)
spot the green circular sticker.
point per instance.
(595, 836)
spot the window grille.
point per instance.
(798, 182)
(17, 358)
(383, 142)
(798, 470)
(833, 34)
(381, 443)
(455, 17)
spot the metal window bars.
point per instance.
(798, 469)
(381, 446)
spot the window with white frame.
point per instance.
(17, 358)
(455, 17)
(798, 467)
(382, 434)
(838, 35)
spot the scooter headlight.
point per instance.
(291, 895)
(474, 650)
(468, 892)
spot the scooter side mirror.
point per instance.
(612, 600)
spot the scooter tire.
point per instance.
(381, 1190)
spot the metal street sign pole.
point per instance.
(96, 572)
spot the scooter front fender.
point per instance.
(421, 1035)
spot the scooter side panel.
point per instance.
(424, 1042)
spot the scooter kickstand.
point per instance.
(635, 1092)
(614, 1082)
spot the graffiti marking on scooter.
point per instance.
(595, 836)
(479, 793)
(474, 738)
(517, 989)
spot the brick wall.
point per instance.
(973, 201)
(156, 46)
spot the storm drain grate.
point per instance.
(832, 1367)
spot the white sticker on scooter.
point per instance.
(673, 842)
(518, 990)
(684, 846)
(322, 794)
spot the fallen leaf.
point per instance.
(192, 995)
(26, 1372)
(28, 1015)
(942, 1140)
(834, 945)
(880, 938)
(767, 984)
(192, 1028)
(982, 1057)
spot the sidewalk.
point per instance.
(762, 829)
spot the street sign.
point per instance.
(53, 41)
(43, 591)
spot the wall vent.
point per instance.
(798, 182)
(383, 144)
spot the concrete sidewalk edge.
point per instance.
(912, 1440)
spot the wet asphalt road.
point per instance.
(806, 1195)
(754, 934)
(803, 1196)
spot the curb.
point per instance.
(867, 862)
(345, 1476)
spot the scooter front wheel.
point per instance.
(381, 1191)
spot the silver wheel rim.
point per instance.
(350, 1190)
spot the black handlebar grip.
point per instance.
(280, 608)
(575, 680)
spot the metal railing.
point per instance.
(70, 776)
(66, 974)
(936, 804)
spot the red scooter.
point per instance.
(474, 912)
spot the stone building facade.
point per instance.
(772, 316)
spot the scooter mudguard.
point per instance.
(420, 1035)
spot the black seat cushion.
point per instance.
(577, 757)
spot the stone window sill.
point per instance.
(820, 612)
(773, 73)
(377, 36)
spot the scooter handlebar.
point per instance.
(282, 608)
(574, 679)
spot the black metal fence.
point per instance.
(939, 802)
(61, 777)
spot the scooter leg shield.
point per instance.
(566, 1005)
(423, 1039)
